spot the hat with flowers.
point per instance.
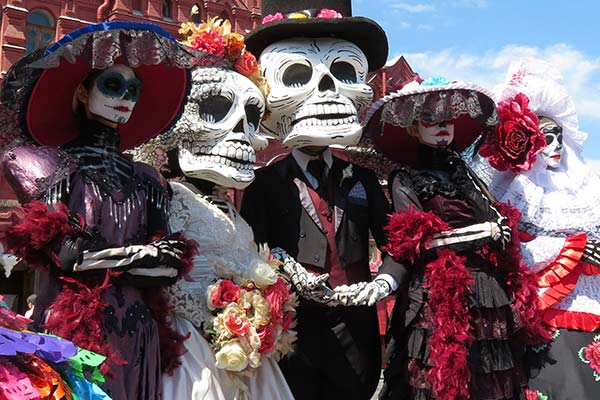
(285, 19)
(215, 36)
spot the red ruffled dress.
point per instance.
(462, 334)
(568, 368)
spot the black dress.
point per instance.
(486, 335)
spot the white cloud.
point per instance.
(424, 27)
(403, 24)
(581, 72)
(412, 8)
(474, 3)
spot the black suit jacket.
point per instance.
(278, 207)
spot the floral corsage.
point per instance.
(252, 317)
(516, 141)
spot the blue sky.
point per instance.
(475, 40)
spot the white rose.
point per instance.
(232, 357)
(262, 274)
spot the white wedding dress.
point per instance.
(226, 249)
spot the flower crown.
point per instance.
(216, 37)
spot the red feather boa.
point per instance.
(77, 314)
(409, 230)
(449, 283)
(38, 236)
(522, 283)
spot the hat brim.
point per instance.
(363, 32)
(396, 143)
(51, 121)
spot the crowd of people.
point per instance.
(125, 148)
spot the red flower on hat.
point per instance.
(210, 42)
(516, 141)
(247, 64)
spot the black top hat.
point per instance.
(309, 18)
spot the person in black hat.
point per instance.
(318, 208)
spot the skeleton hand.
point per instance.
(501, 232)
(360, 294)
(497, 231)
(164, 255)
(591, 253)
(308, 285)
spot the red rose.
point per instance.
(247, 64)
(516, 141)
(237, 325)
(210, 42)
(227, 292)
(276, 295)
(267, 335)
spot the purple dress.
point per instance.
(123, 203)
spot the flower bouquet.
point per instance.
(252, 316)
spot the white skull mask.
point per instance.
(114, 94)
(218, 130)
(317, 91)
(553, 152)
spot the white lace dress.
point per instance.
(226, 247)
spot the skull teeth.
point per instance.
(227, 152)
(321, 110)
(327, 122)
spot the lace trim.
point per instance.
(138, 47)
(435, 107)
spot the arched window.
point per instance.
(136, 6)
(167, 9)
(39, 30)
(197, 18)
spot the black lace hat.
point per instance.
(285, 19)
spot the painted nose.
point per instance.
(442, 124)
(326, 84)
(240, 126)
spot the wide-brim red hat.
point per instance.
(470, 107)
(156, 58)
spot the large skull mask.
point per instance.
(317, 91)
(218, 129)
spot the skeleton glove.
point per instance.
(360, 294)
(308, 285)
(591, 253)
(159, 258)
(473, 235)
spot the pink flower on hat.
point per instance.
(327, 13)
(272, 17)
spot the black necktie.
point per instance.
(316, 168)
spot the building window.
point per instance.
(136, 7)
(167, 9)
(39, 30)
(197, 18)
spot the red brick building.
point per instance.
(29, 24)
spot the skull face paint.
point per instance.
(317, 91)
(218, 129)
(114, 94)
(437, 135)
(552, 153)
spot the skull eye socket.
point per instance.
(214, 109)
(344, 72)
(253, 114)
(297, 75)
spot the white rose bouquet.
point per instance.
(252, 317)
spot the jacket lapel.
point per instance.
(341, 190)
(307, 202)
